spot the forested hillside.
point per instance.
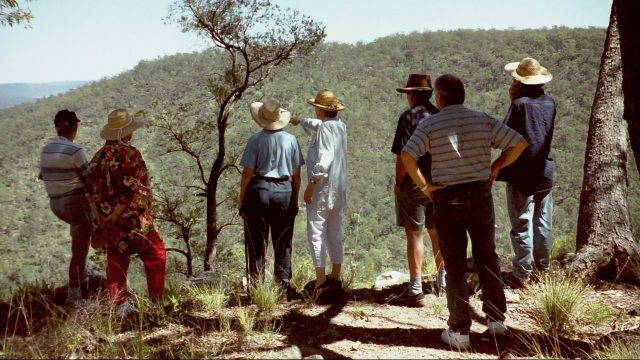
(34, 245)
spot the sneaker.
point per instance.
(405, 299)
(456, 339)
(125, 309)
(496, 327)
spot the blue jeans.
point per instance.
(530, 230)
(461, 209)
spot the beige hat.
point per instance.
(269, 115)
(325, 100)
(119, 125)
(528, 71)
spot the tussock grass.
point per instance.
(619, 349)
(265, 293)
(303, 272)
(208, 297)
(554, 303)
(247, 320)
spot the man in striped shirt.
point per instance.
(63, 167)
(460, 142)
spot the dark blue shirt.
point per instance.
(532, 116)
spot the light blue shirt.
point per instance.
(327, 161)
(272, 154)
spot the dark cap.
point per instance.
(65, 119)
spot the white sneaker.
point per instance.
(125, 309)
(455, 339)
(496, 327)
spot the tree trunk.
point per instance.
(211, 226)
(628, 14)
(604, 241)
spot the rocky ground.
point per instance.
(361, 325)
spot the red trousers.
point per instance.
(153, 256)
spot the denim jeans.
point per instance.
(530, 230)
(267, 209)
(461, 209)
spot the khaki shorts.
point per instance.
(74, 211)
(414, 210)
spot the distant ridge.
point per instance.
(19, 93)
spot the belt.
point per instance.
(468, 185)
(272, 179)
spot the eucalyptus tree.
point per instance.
(604, 239)
(253, 37)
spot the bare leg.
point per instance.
(415, 251)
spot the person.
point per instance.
(63, 168)
(326, 191)
(119, 193)
(413, 209)
(269, 190)
(529, 179)
(460, 141)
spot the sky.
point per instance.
(92, 39)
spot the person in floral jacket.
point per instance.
(119, 193)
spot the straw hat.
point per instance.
(528, 71)
(416, 82)
(326, 100)
(119, 125)
(269, 115)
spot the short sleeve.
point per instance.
(250, 155)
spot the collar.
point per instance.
(62, 138)
(453, 107)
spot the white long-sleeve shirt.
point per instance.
(327, 161)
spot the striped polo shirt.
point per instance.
(63, 167)
(460, 142)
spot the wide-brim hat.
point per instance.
(326, 100)
(119, 125)
(269, 115)
(416, 82)
(528, 71)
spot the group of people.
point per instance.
(443, 180)
(107, 203)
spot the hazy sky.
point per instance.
(91, 39)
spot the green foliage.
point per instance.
(209, 297)
(12, 14)
(597, 313)
(562, 245)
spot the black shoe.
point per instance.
(405, 299)
(513, 281)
